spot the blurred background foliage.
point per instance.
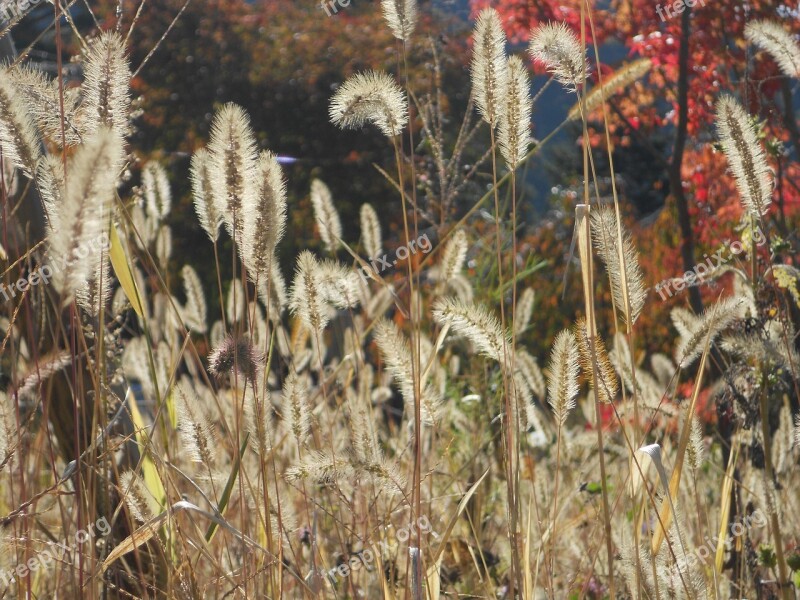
(283, 59)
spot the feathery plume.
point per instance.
(622, 78)
(140, 501)
(18, 139)
(781, 46)
(237, 354)
(695, 449)
(164, 246)
(202, 193)
(82, 218)
(50, 177)
(194, 313)
(44, 105)
(371, 231)
(461, 288)
(527, 366)
(522, 317)
(328, 221)
(264, 218)
(106, 94)
(596, 360)
(339, 286)
(555, 45)
(95, 292)
(232, 165)
(194, 427)
(7, 426)
(476, 324)
(396, 352)
(745, 155)
(562, 379)
(708, 326)
(489, 69)
(604, 235)
(514, 130)
(370, 97)
(662, 367)
(453, 257)
(401, 15)
(258, 421)
(157, 193)
(235, 302)
(295, 407)
(306, 299)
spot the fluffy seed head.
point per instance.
(745, 155)
(258, 412)
(235, 354)
(522, 317)
(622, 78)
(18, 139)
(157, 193)
(781, 46)
(713, 320)
(562, 375)
(306, 298)
(141, 503)
(401, 15)
(514, 131)
(396, 352)
(560, 51)
(453, 257)
(194, 427)
(106, 86)
(489, 67)
(82, 219)
(627, 281)
(476, 324)
(233, 164)
(371, 231)
(202, 194)
(328, 221)
(370, 97)
(264, 218)
(194, 313)
(296, 409)
(594, 360)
